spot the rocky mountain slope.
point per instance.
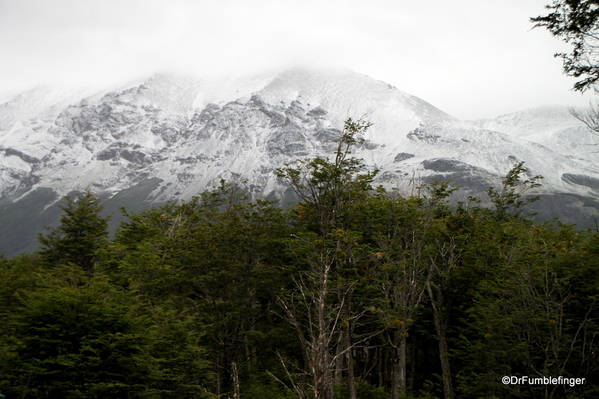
(169, 138)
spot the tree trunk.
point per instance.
(395, 379)
(403, 354)
(441, 329)
(398, 381)
(236, 388)
(323, 378)
(351, 385)
(444, 357)
(323, 387)
(339, 365)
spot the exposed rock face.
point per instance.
(176, 137)
(582, 180)
(402, 156)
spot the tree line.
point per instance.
(355, 292)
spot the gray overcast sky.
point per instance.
(470, 58)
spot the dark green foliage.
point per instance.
(75, 336)
(178, 360)
(78, 339)
(81, 234)
(364, 391)
(522, 312)
(576, 22)
(219, 258)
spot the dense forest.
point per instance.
(354, 292)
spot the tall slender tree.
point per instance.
(328, 252)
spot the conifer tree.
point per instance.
(82, 232)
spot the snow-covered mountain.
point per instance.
(553, 127)
(170, 137)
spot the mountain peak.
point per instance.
(169, 137)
